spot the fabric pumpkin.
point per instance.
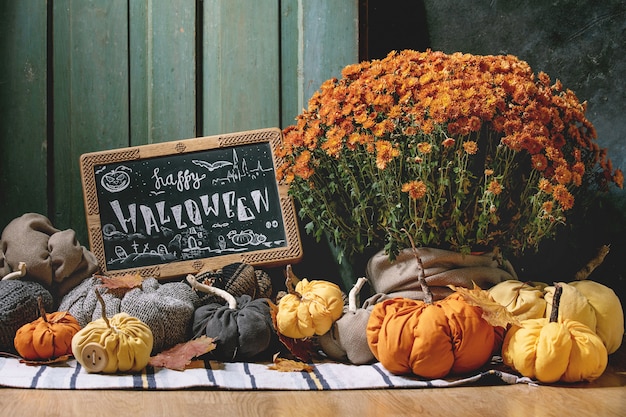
(566, 351)
(48, 337)
(242, 329)
(346, 341)
(594, 305)
(166, 308)
(429, 340)
(19, 306)
(555, 349)
(240, 333)
(310, 310)
(524, 300)
(121, 343)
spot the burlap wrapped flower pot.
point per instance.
(441, 267)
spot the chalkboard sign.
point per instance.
(169, 209)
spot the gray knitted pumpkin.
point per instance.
(18, 306)
(166, 308)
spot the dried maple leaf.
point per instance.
(127, 281)
(288, 365)
(303, 349)
(181, 355)
(495, 313)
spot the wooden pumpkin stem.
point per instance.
(354, 292)
(103, 305)
(556, 300)
(42, 309)
(230, 299)
(421, 276)
(586, 270)
(291, 280)
(19, 273)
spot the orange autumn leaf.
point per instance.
(288, 365)
(181, 355)
(493, 312)
(127, 281)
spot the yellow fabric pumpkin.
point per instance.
(120, 344)
(523, 300)
(311, 310)
(566, 351)
(596, 306)
(555, 349)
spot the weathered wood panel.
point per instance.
(241, 53)
(90, 92)
(79, 76)
(23, 113)
(319, 38)
(162, 62)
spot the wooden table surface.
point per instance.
(604, 397)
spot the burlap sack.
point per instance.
(441, 267)
(53, 257)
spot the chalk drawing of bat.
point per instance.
(211, 166)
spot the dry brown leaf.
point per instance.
(289, 365)
(495, 313)
(60, 359)
(181, 355)
(303, 349)
(127, 281)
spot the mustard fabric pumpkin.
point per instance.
(48, 337)
(121, 343)
(566, 351)
(596, 306)
(311, 310)
(523, 300)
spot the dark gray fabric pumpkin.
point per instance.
(240, 333)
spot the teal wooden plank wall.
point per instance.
(79, 76)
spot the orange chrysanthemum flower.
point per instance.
(385, 134)
(416, 189)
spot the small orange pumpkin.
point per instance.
(48, 337)
(429, 339)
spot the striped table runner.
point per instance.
(232, 376)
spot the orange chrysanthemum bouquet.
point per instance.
(462, 151)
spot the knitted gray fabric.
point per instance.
(54, 258)
(166, 308)
(237, 279)
(19, 306)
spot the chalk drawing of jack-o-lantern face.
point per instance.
(116, 180)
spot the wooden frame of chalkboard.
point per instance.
(174, 208)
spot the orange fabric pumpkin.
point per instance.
(429, 340)
(48, 337)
